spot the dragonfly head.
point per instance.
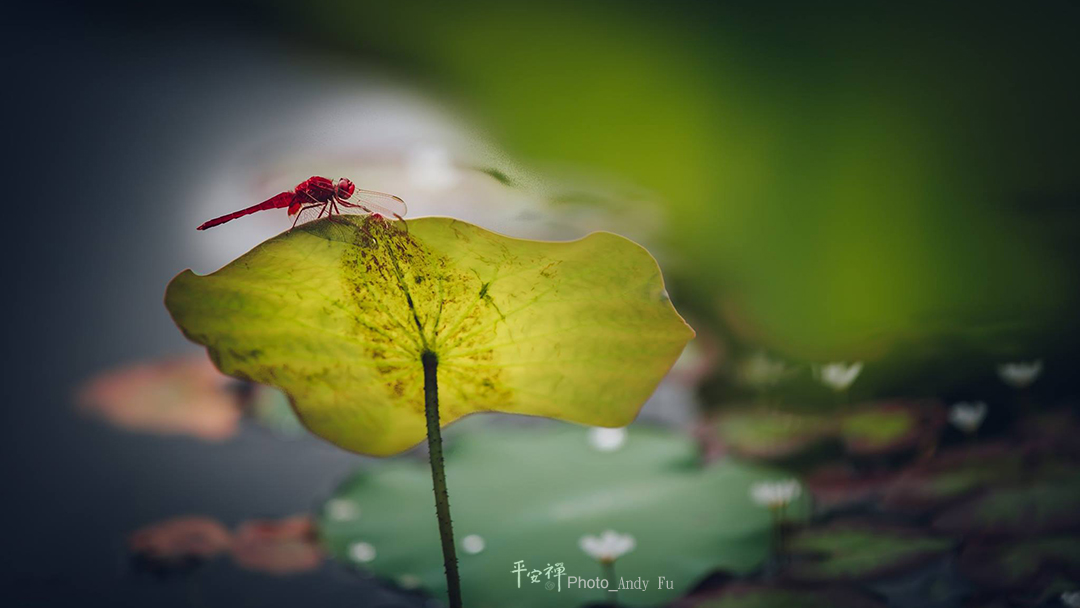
(345, 188)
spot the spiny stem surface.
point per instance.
(438, 477)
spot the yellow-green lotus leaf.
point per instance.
(338, 313)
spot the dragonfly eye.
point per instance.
(345, 187)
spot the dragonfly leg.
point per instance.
(333, 212)
(302, 210)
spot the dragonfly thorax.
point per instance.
(319, 189)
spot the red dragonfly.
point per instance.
(317, 196)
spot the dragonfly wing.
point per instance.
(309, 213)
(382, 203)
(348, 208)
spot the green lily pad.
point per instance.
(742, 595)
(876, 428)
(953, 476)
(888, 427)
(840, 485)
(871, 428)
(338, 314)
(1023, 563)
(531, 495)
(771, 434)
(846, 551)
(1049, 504)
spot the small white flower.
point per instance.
(362, 552)
(1020, 373)
(967, 416)
(1071, 599)
(607, 547)
(606, 440)
(760, 371)
(342, 509)
(473, 544)
(775, 494)
(839, 376)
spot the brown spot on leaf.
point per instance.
(405, 299)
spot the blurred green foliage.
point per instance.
(842, 181)
(866, 430)
(877, 428)
(759, 596)
(1014, 565)
(1048, 504)
(853, 552)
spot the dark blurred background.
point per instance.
(892, 183)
